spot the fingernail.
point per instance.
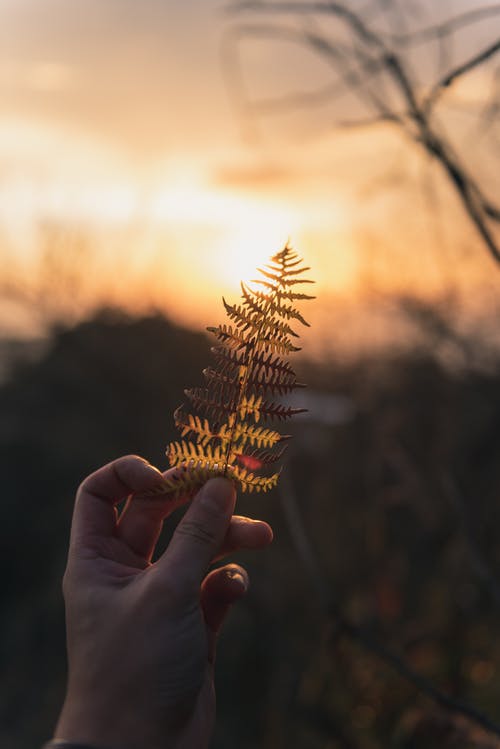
(157, 477)
(154, 468)
(217, 495)
(238, 577)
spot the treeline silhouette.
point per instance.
(396, 478)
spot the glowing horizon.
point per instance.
(125, 179)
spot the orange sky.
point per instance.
(117, 134)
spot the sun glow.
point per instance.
(255, 232)
(179, 239)
(242, 231)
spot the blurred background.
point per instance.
(152, 155)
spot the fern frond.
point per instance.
(193, 475)
(285, 265)
(250, 406)
(207, 400)
(256, 300)
(254, 321)
(278, 411)
(285, 281)
(277, 277)
(296, 271)
(240, 316)
(188, 423)
(265, 352)
(230, 336)
(274, 383)
(277, 328)
(294, 296)
(283, 276)
(249, 482)
(278, 344)
(269, 363)
(229, 359)
(271, 286)
(184, 452)
(224, 434)
(185, 482)
(286, 258)
(257, 459)
(253, 435)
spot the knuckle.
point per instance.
(128, 462)
(196, 531)
(82, 485)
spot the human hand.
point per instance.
(140, 634)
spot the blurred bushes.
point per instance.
(399, 498)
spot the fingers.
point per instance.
(94, 513)
(199, 536)
(219, 591)
(244, 533)
(141, 521)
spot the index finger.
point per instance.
(95, 513)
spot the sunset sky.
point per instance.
(123, 152)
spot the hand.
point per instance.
(140, 634)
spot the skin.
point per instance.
(141, 634)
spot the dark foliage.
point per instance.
(399, 493)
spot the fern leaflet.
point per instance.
(225, 435)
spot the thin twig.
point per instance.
(458, 71)
(365, 122)
(414, 116)
(446, 28)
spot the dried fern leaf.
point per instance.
(274, 383)
(295, 296)
(184, 483)
(278, 345)
(254, 322)
(222, 431)
(256, 300)
(278, 411)
(231, 336)
(184, 452)
(187, 423)
(259, 436)
(249, 482)
(257, 459)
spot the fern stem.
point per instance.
(248, 364)
(243, 385)
(244, 382)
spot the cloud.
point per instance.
(256, 176)
(143, 75)
(45, 76)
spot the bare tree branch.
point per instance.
(459, 71)
(448, 27)
(348, 79)
(365, 122)
(371, 54)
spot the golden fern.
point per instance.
(224, 435)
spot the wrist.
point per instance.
(59, 744)
(83, 727)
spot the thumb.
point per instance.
(199, 535)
